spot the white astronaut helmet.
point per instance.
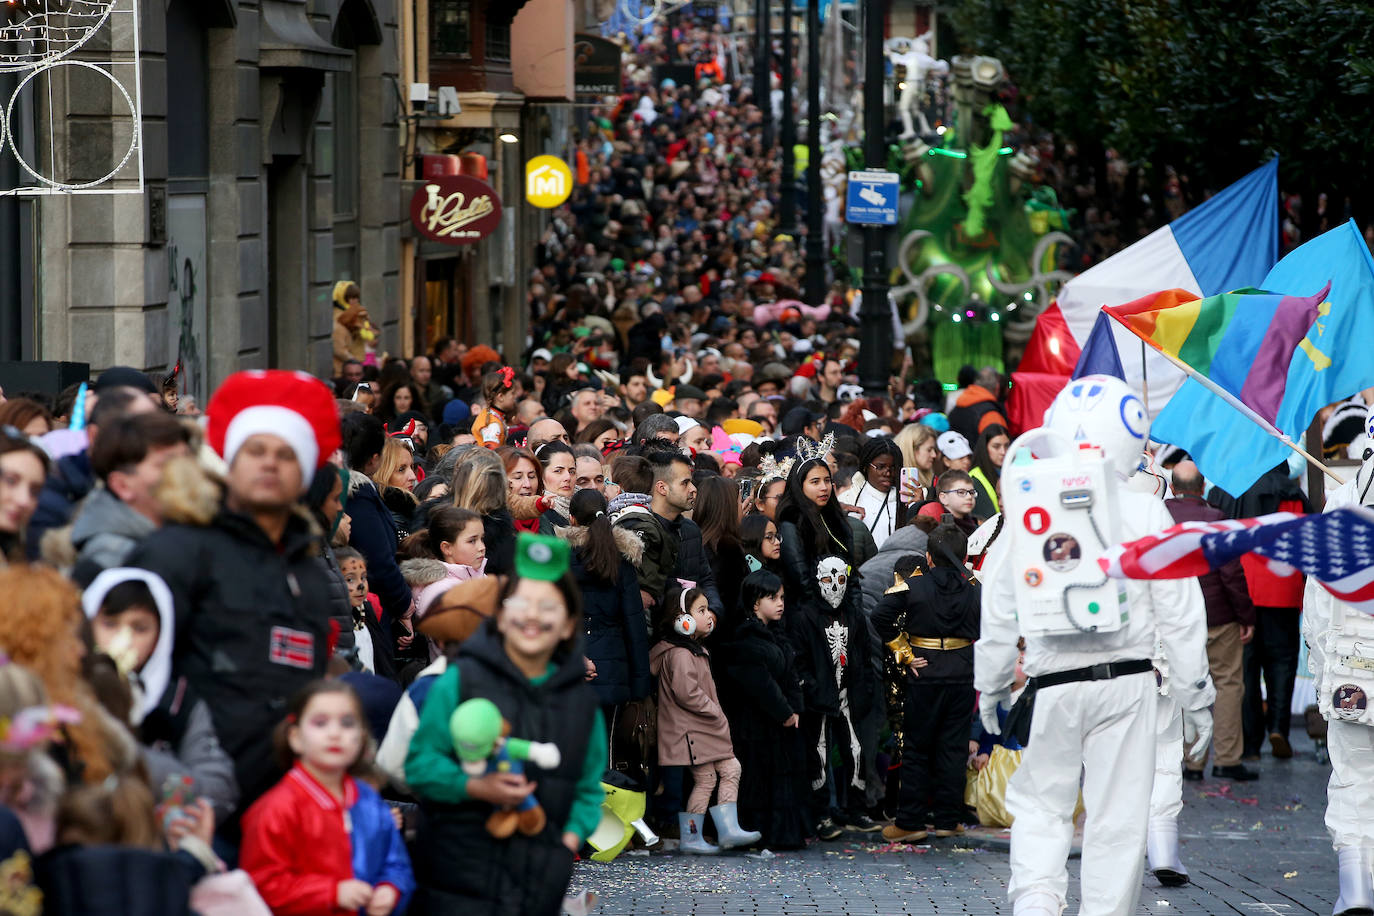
(1103, 411)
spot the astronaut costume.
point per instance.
(1166, 797)
(1095, 704)
(1340, 643)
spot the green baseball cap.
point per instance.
(538, 556)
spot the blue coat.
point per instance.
(617, 637)
(373, 534)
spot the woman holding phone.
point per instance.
(875, 488)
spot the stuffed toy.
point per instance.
(481, 738)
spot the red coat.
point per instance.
(298, 844)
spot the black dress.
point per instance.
(759, 691)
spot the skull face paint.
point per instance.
(832, 574)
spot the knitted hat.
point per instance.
(456, 412)
(293, 406)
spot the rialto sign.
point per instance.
(455, 209)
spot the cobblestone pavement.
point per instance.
(1257, 847)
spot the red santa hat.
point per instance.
(292, 406)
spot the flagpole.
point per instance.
(1235, 402)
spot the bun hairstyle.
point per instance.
(295, 709)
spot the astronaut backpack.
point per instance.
(1061, 504)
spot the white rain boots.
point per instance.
(646, 834)
(728, 831)
(1161, 845)
(1356, 865)
(690, 838)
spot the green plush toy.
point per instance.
(481, 739)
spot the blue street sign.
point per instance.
(872, 199)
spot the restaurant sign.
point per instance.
(455, 209)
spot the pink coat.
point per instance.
(692, 728)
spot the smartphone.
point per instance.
(910, 479)
(746, 490)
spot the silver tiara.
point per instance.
(772, 469)
(808, 452)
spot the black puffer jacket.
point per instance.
(617, 639)
(692, 562)
(253, 625)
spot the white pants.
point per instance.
(1166, 798)
(1105, 730)
(1350, 793)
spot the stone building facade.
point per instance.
(272, 155)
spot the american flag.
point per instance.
(1336, 548)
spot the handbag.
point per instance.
(634, 738)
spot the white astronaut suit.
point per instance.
(1340, 642)
(1104, 729)
(1166, 796)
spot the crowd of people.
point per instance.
(672, 546)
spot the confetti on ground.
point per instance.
(1290, 874)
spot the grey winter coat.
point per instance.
(877, 572)
(105, 533)
(198, 754)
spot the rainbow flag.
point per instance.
(1243, 340)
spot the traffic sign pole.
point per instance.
(875, 323)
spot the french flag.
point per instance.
(1228, 242)
(1336, 548)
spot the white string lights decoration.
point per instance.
(39, 43)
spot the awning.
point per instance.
(289, 42)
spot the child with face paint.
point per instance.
(527, 660)
(828, 634)
(322, 841)
(692, 728)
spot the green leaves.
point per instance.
(1216, 86)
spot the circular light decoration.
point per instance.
(52, 181)
(35, 33)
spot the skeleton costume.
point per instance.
(834, 644)
(1340, 642)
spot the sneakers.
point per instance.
(1238, 772)
(828, 830)
(895, 834)
(862, 823)
(1279, 746)
(945, 832)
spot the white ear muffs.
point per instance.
(685, 624)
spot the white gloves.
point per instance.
(987, 709)
(546, 756)
(1197, 733)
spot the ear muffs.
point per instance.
(685, 624)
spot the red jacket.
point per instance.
(298, 844)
